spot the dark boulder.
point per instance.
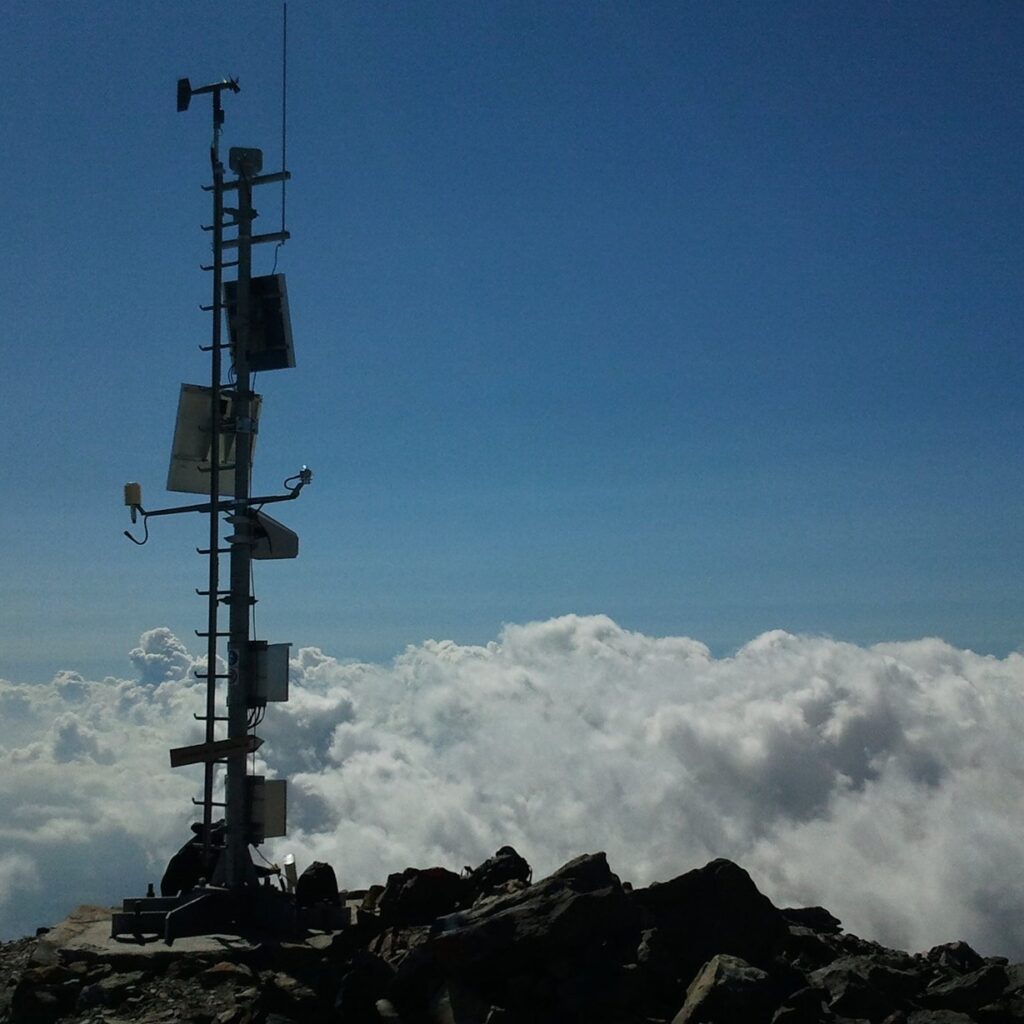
(553, 951)
(417, 896)
(803, 1006)
(317, 884)
(711, 910)
(727, 989)
(966, 992)
(365, 979)
(496, 873)
(955, 956)
(818, 919)
(44, 994)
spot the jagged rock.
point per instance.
(818, 919)
(418, 897)
(1008, 1009)
(966, 992)
(871, 987)
(938, 1017)
(496, 872)
(896, 984)
(711, 910)
(43, 994)
(955, 956)
(574, 947)
(803, 1006)
(226, 973)
(726, 989)
(371, 899)
(285, 995)
(365, 979)
(563, 938)
(395, 944)
(454, 1003)
(809, 949)
(110, 990)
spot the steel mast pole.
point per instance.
(239, 870)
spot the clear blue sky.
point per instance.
(703, 315)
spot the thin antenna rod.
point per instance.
(284, 123)
(284, 106)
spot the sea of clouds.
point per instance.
(885, 783)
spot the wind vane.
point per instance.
(212, 453)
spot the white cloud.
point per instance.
(884, 783)
(160, 656)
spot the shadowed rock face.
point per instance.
(489, 947)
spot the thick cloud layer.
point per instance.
(886, 783)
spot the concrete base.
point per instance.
(84, 935)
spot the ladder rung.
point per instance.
(259, 179)
(198, 633)
(209, 551)
(273, 236)
(206, 593)
(209, 348)
(216, 718)
(202, 803)
(210, 675)
(213, 266)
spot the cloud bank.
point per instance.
(886, 783)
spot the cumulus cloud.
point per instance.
(882, 782)
(160, 657)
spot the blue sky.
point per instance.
(703, 316)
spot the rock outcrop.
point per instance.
(491, 947)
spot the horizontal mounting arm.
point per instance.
(303, 477)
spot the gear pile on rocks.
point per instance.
(491, 947)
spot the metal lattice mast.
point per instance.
(238, 865)
(214, 437)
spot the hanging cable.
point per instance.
(284, 122)
(252, 590)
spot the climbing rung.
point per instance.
(202, 803)
(273, 236)
(216, 718)
(206, 593)
(208, 551)
(198, 633)
(208, 675)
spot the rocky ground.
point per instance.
(492, 947)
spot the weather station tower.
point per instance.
(211, 456)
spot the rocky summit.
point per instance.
(492, 946)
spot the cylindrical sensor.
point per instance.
(290, 874)
(133, 494)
